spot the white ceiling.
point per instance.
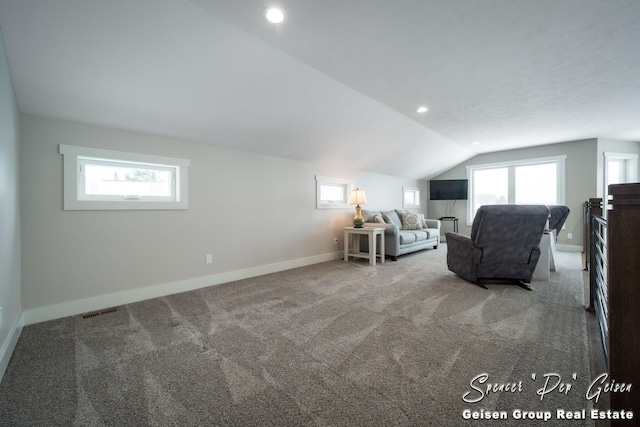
(340, 80)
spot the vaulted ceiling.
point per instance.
(340, 80)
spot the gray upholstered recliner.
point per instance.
(558, 215)
(504, 244)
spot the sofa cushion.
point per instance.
(379, 219)
(368, 215)
(391, 217)
(407, 238)
(432, 232)
(420, 235)
(411, 221)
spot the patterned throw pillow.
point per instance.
(411, 221)
(387, 218)
(378, 218)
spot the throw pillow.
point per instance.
(387, 218)
(394, 218)
(411, 221)
(368, 215)
(378, 218)
(423, 221)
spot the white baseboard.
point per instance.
(72, 308)
(9, 344)
(569, 248)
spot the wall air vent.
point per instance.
(99, 313)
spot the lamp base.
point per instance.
(358, 220)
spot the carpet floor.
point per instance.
(332, 344)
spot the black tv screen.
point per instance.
(448, 189)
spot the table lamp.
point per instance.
(357, 198)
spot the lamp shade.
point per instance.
(357, 197)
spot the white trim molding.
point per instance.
(73, 308)
(76, 157)
(511, 165)
(415, 195)
(9, 344)
(345, 185)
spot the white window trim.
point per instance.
(416, 192)
(631, 171)
(631, 165)
(74, 199)
(559, 160)
(347, 183)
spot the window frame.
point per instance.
(347, 184)
(416, 197)
(630, 162)
(511, 166)
(76, 157)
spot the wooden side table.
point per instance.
(450, 218)
(372, 233)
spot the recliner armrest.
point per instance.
(463, 256)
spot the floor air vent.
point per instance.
(99, 313)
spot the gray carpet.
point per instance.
(333, 344)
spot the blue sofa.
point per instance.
(402, 235)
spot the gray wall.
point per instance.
(581, 181)
(9, 213)
(246, 209)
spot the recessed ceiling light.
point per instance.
(475, 143)
(274, 15)
(422, 109)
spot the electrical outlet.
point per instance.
(208, 259)
(569, 235)
(335, 240)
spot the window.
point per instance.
(619, 168)
(410, 197)
(537, 184)
(533, 181)
(96, 179)
(332, 193)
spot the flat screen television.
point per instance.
(448, 189)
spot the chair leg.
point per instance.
(523, 285)
(482, 285)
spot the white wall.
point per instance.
(9, 215)
(254, 213)
(580, 182)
